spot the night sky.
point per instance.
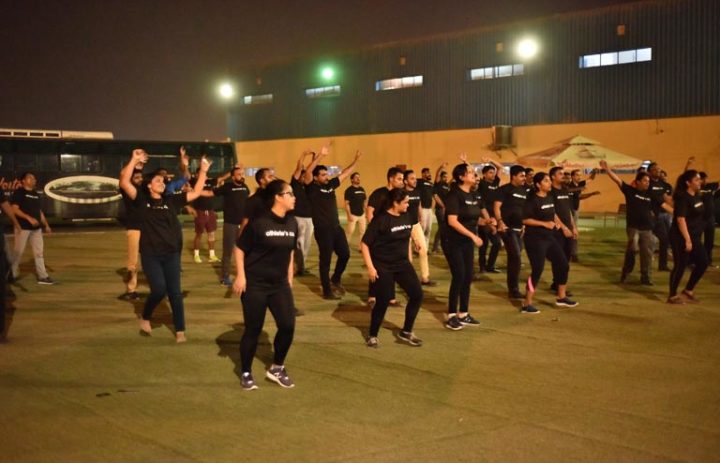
(150, 69)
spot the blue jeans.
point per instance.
(163, 275)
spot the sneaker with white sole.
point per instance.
(410, 338)
(280, 376)
(372, 341)
(565, 302)
(46, 281)
(247, 382)
(453, 323)
(529, 309)
(468, 320)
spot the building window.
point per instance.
(616, 57)
(398, 83)
(258, 99)
(322, 92)
(507, 70)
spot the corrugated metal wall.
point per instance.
(683, 78)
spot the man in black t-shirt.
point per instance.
(27, 206)
(132, 224)
(425, 186)
(639, 226)
(355, 197)
(508, 208)
(330, 237)
(562, 200)
(378, 199)
(440, 189)
(576, 186)
(234, 193)
(489, 184)
(661, 192)
(707, 192)
(4, 261)
(417, 236)
(303, 215)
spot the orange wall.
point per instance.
(667, 141)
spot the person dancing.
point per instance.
(541, 221)
(160, 238)
(686, 237)
(385, 250)
(264, 262)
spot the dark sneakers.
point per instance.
(331, 297)
(429, 283)
(280, 376)
(468, 320)
(46, 281)
(247, 382)
(566, 302)
(337, 288)
(453, 323)
(529, 309)
(410, 338)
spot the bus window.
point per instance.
(91, 164)
(24, 163)
(47, 163)
(70, 163)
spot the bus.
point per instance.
(77, 172)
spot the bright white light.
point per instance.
(527, 48)
(227, 91)
(328, 73)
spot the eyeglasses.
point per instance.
(289, 193)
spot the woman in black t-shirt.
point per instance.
(160, 238)
(264, 260)
(540, 223)
(462, 214)
(686, 237)
(385, 247)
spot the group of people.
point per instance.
(268, 234)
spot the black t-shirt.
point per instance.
(707, 193)
(563, 205)
(204, 203)
(441, 189)
(254, 206)
(161, 232)
(379, 199)
(388, 236)
(414, 206)
(467, 208)
(323, 203)
(658, 189)
(29, 203)
(488, 191)
(132, 216)
(539, 208)
(692, 208)
(302, 206)
(234, 197)
(425, 187)
(575, 195)
(268, 241)
(513, 201)
(639, 208)
(356, 196)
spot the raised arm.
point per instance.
(301, 164)
(139, 156)
(205, 164)
(442, 167)
(184, 163)
(349, 169)
(316, 158)
(498, 167)
(613, 176)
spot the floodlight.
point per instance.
(527, 48)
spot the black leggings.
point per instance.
(538, 249)
(459, 257)
(256, 298)
(385, 291)
(329, 240)
(488, 240)
(681, 259)
(513, 248)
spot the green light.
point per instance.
(327, 73)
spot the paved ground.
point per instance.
(623, 377)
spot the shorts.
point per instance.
(206, 221)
